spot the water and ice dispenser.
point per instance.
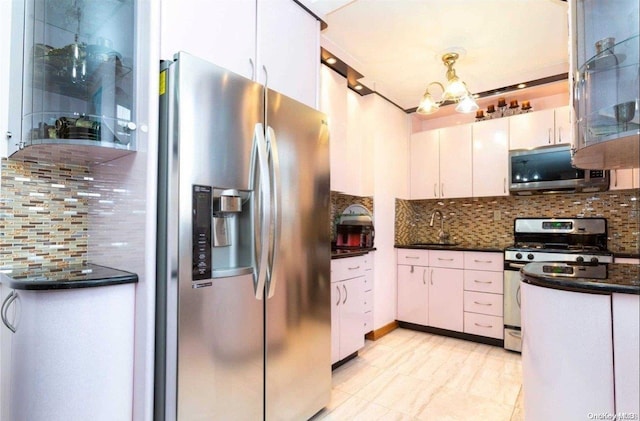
(222, 233)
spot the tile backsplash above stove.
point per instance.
(488, 221)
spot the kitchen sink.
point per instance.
(435, 244)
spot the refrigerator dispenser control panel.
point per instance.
(202, 212)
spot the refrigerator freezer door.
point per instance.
(298, 325)
(212, 344)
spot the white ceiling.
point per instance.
(397, 44)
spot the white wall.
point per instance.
(389, 140)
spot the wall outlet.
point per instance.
(496, 215)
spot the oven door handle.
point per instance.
(516, 265)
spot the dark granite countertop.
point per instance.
(456, 247)
(607, 278)
(53, 277)
(351, 252)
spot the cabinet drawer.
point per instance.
(368, 280)
(368, 321)
(347, 268)
(413, 257)
(483, 281)
(483, 303)
(368, 261)
(368, 301)
(483, 261)
(483, 325)
(446, 259)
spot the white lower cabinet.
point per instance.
(430, 292)
(567, 354)
(445, 298)
(413, 294)
(368, 293)
(459, 291)
(483, 294)
(626, 342)
(347, 306)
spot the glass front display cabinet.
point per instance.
(78, 69)
(605, 73)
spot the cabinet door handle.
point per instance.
(504, 185)
(346, 295)
(431, 277)
(550, 136)
(411, 257)
(5, 307)
(435, 189)
(339, 298)
(424, 276)
(482, 261)
(482, 304)
(253, 69)
(445, 260)
(411, 270)
(482, 282)
(615, 178)
(560, 134)
(357, 267)
(481, 325)
(266, 76)
(442, 190)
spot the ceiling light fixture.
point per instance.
(331, 60)
(454, 91)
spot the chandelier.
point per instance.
(455, 91)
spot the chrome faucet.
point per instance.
(443, 237)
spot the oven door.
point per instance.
(512, 332)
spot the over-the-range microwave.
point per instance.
(549, 169)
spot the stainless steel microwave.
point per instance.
(549, 169)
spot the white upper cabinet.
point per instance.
(625, 179)
(333, 102)
(274, 42)
(540, 128)
(455, 161)
(440, 163)
(491, 158)
(425, 165)
(222, 32)
(289, 49)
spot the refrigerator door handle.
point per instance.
(5, 307)
(262, 221)
(276, 196)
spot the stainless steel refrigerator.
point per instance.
(243, 303)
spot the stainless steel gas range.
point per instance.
(579, 240)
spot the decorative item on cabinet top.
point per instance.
(503, 110)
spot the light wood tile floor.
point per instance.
(409, 375)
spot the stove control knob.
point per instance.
(594, 260)
(518, 255)
(530, 256)
(579, 259)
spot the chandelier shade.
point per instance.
(455, 90)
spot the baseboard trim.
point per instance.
(453, 334)
(376, 334)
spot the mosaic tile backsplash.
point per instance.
(488, 221)
(60, 215)
(43, 214)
